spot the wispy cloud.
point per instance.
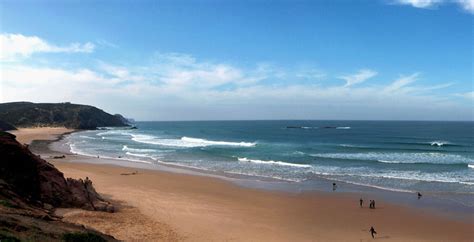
(15, 46)
(106, 43)
(467, 5)
(419, 3)
(359, 77)
(181, 86)
(172, 92)
(401, 83)
(467, 95)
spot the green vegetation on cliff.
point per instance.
(77, 116)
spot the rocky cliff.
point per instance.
(76, 116)
(30, 189)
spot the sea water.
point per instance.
(434, 157)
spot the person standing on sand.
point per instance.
(372, 204)
(419, 195)
(372, 232)
(334, 186)
(361, 202)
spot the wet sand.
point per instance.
(200, 208)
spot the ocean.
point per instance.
(406, 156)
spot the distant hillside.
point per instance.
(26, 114)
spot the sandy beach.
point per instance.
(27, 135)
(157, 205)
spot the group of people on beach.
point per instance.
(371, 206)
(361, 203)
(371, 203)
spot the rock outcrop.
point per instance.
(39, 182)
(30, 190)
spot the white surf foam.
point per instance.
(141, 155)
(343, 127)
(400, 158)
(186, 142)
(114, 132)
(271, 162)
(204, 142)
(77, 151)
(470, 166)
(126, 148)
(364, 175)
(439, 143)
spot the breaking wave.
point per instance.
(141, 155)
(271, 162)
(186, 142)
(126, 148)
(439, 143)
(400, 158)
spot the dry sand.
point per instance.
(199, 208)
(26, 135)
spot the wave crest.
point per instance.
(271, 162)
(126, 148)
(204, 142)
(400, 158)
(141, 155)
(439, 143)
(186, 142)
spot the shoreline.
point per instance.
(277, 215)
(457, 206)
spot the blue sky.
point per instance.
(194, 60)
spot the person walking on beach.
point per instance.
(361, 202)
(419, 195)
(334, 186)
(372, 232)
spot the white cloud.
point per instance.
(179, 86)
(359, 77)
(420, 3)
(467, 5)
(401, 83)
(467, 95)
(106, 43)
(311, 74)
(188, 91)
(15, 46)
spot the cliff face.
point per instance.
(26, 114)
(38, 182)
(30, 189)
